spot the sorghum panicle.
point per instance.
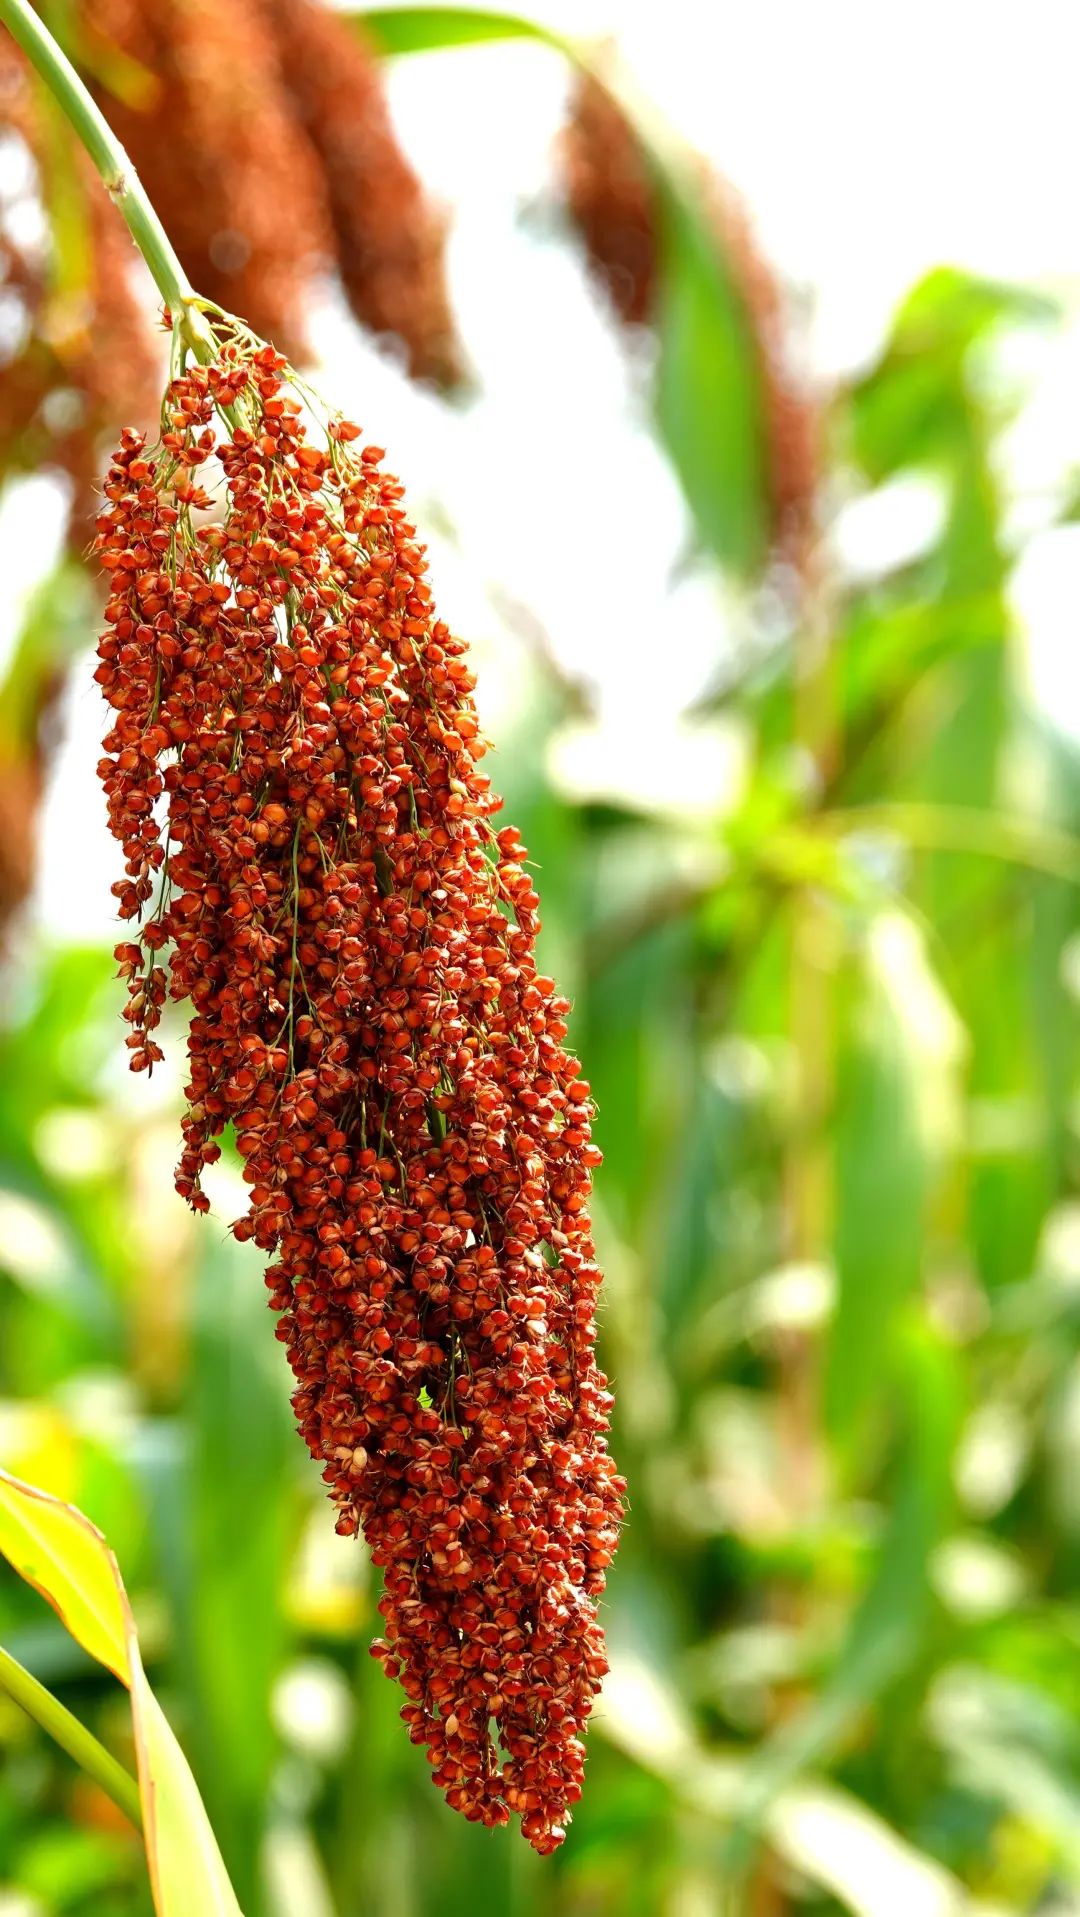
(216, 144)
(614, 207)
(266, 143)
(390, 238)
(356, 940)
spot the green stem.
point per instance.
(122, 183)
(72, 1736)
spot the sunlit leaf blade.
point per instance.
(828, 1835)
(425, 29)
(66, 1558)
(871, 1871)
(57, 1549)
(1013, 1743)
(186, 1869)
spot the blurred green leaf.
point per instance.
(425, 29)
(53, 629)
(897, 1116)
(886, 1629)
(708, 394)
(915, 407)
(228, 1520)
(1017, 1745)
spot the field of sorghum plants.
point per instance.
(755, 992)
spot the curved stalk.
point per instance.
(72, 1736)
(121, 181)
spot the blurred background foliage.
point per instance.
(831, 1026)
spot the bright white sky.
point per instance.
(871, 144)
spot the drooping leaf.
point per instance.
(65, 1557)
(55, 1548)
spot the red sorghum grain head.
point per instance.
(390, 238)
(230, 171)
(609, 196)
(311, 863)
(613, 204)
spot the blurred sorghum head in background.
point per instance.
(266, 143)
(76, 350)
(615, 205)
(389, 237)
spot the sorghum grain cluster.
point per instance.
(390, 238)
(263, 135)
(214, 141)
(292, 771)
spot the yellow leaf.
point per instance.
(56, 1549)
(66, 1558)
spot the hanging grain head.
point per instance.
(390, 238)
(214, 138)
(614, 206)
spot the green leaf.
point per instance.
(898, 1093)
(886, 646)
(886, 1630)
(709, 399)
(426, 29)
(71, 1735)
(915, 406)
(56, 1549)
